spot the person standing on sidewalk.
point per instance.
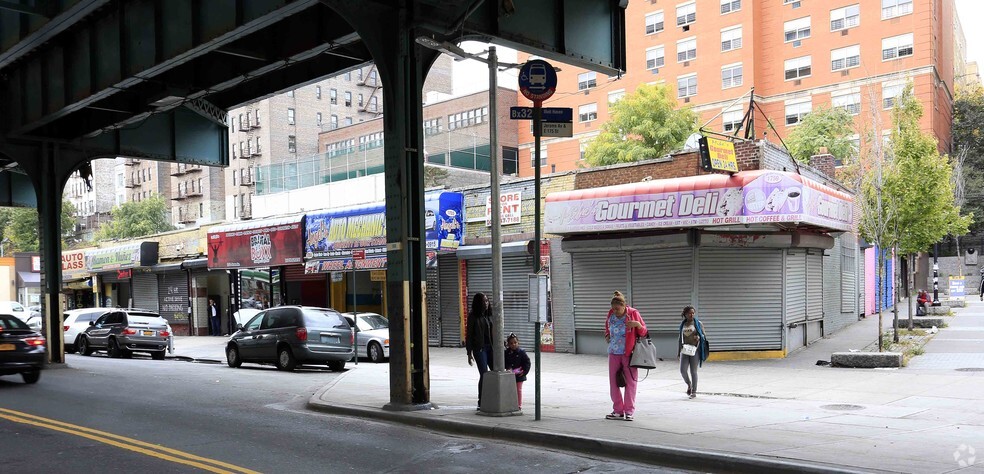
(692, 350)
(213, 314)
(518, 363)
(478, 337)
(622, 326)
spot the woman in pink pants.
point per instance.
(622, 326)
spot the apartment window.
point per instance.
(686, 49)
(372, 77)
(291, 144)
(432, 127)
(358, 74)
(242, 123)
(897, 47)
(242, 149)
(232, 123)
(348, 75)
(362, 100)
(732, 119)
(730, 39)
(348, 120)
(256, 113)
(543, 156)
(654, 22)
(290, 116)
(655, 57)
(615, 96)
(317, 92)
(257, 145)
(373, 104)
(249, 145)
(587, 80)
(795, 111)
(850, 102)
(890, 92)
(201, 209)
(348, 99)
(587, 113)
(731, 76)
(290, 93)
(686, 14)
(687, 86)
(844, 18)
(798, 68)
(894, 8)
(333, 121)
(845, 58)
(728, 6)
(319, 118)
(333, 97)
(797, 29)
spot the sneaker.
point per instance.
(693, 394)
(628, 417)
(614, 416)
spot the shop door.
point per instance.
(450, 309)
(740, 298)
(596, 277)
(661, 285)
(145, 291)
(433, 307)
(814, 293)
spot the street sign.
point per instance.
(548, 114)
(359, 254)
(557, 129)
(537, 80)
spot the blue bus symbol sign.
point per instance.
(537, 80)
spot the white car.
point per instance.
(34, 322)
(76, 321)
(373, 335)
(14, 308)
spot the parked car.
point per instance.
(289, 336)
(34, 322)
(14, 308)
(121, 332)
(373, 335)
(76, 321)
(22, 349)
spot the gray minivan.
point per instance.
(289, 336)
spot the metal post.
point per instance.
(499, 358)
(537, 131)
(355, 314)
(936, 274)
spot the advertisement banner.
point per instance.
(958, 289)
(512, 208)
(343, 264)
(255, 245)
(749, 197)
(335, 234)
(73, 265)
(444, 220)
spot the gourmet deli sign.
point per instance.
(749, 197)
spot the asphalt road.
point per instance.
(115, 415)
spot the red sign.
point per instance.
(359, 254)
(267, 246)
(124, 274)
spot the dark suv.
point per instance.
(291, 335)
(121, 332)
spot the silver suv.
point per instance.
(121, 332)
(292, 335)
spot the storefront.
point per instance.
(123, 275)
(76, 280)
(746, 250)
(28, 267)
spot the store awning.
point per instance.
(255, 244)
(110, 259)
(479, 251)
(28, 279)
(750, 197)
(195, 263)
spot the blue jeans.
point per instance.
(483, 358)
(216, 325)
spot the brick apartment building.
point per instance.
(797, 54)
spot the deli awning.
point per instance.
(255, 244)
(750, 197)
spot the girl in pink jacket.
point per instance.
(622, 326)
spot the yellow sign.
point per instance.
(722, 153)
(377, 275)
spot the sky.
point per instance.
(969, 11)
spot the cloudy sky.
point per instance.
(969, 11)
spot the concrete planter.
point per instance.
(938, 310)
(866, 360)
(921, 322)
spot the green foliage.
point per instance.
(20, 227)
(435, 176)
(136, 219)
(968, 139)
(644, 124)
(823, 127)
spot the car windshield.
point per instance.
(145, 320)
(10, 322)
(372, 321)
(326, 318)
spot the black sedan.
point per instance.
(22, 350)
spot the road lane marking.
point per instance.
(131, 444)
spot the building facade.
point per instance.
(93, 204)
(797, 55)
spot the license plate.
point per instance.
(329, 339)
(6, 347)
(148, 333)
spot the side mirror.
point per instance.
(239, 327)
(92, 323)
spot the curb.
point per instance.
(662, 456)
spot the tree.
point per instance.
(434, 176)
(968, 141)
(824, 127)
(136, 219)
(20, 226)
(644, 124)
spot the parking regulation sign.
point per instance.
(537, 80)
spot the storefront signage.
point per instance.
(749, 197)
(143, 254)
(269, 243)
(444, 220)
(717, 154)
(512, 208)
(343, 264)
(36, 263)
(73, 265)
(336, 234)
(124, 274)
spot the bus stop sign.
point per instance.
(537, 80)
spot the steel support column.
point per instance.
(52, 181)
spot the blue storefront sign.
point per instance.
(444, 220)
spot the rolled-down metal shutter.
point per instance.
(433, 307)
(450, 309)
(515, 292)
(740, 298)
(795, 286)
(596, 276)
(814, 284)
(145, 291)
(848, 273)
(173, 302)
(662, 284)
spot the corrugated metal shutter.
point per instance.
(296, 273)
(173, 297)
(450, 309)
(145, 291)
(814, 284)
(662, 284)
(596, 276)
(862, 288)
(740, 298)
(848, 275)
(433, 307)
(515, 292)
(795, 286)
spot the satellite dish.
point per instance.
(693, 141)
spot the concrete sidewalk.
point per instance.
(752, 416)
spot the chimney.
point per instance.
(823, 162)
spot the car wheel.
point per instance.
(337, 365)
(127, 354)
(159, 355)
(31, 376)
(114, 349)
(232, 357)
(84, 347)
(70, 348)
(375, 352)
(285, 359)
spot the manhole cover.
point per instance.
(971, 369)
(843, 407)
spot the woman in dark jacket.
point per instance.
(478, 337)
